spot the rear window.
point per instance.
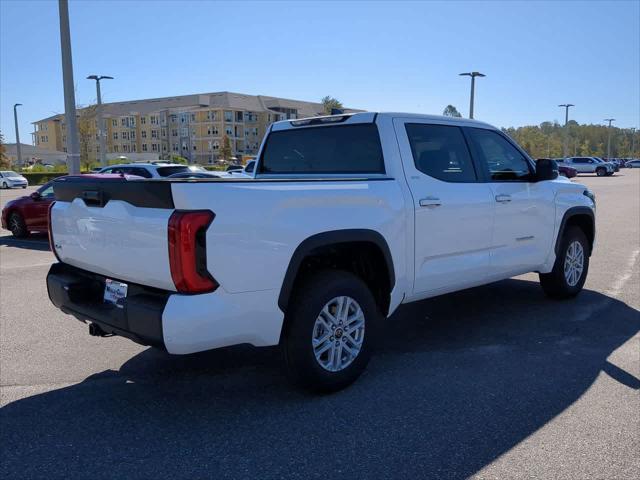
(335, 149)
(166, 171)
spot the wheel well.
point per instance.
(364, 259)
(585, 223)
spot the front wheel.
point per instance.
(330, 331)
(17, 226)
(601, 172)
(4, 185)
(570, 269)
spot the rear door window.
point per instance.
(348, 149)
(166, 171)
(441, 152)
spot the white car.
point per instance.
(10, 179)
(632, 164)
(151, 169)
(590, 165)
(346, 218)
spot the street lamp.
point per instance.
(473, 76)
(101, 133)
(15, 118)
(565, 148)
(609, 139)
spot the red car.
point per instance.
(29, 214)
(564, 170)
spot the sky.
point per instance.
(382, 56)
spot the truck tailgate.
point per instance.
(114, 227)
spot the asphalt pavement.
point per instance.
(492, 382)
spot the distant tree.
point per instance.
(451, 111)
(87, 136)
(4, 160)
(329, 103)
(225, 148)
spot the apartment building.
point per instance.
(191, 126)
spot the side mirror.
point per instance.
(546, 169)
(36, 196)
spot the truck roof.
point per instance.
(369, 117)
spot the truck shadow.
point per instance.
(36, 241)
(458, 381)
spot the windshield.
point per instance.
(166, 171)
(10, 174)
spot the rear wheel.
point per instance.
(330, 331)
(570, 269)
(17, 226)
(601, 171)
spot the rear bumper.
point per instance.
(80, 293)
(180, 324)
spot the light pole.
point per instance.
(73, 146)
(565, 149)
(18, 147)
(101, 133)
(609, 138)
(473, 76)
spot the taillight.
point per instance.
(50, 231)
(188, 251)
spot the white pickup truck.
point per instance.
(345, 218)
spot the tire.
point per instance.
(4, 185)
(306, 320)
(601, 172)
(17, 226)
(24, 186)
(559, 285)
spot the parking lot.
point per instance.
(492, 382)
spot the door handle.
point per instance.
(431, 202)
(503, 198)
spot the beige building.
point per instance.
(191, 126)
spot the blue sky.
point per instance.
(390, 56)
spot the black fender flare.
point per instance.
(325, 239)
(572, 212)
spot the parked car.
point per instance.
(612, 162)
(151, 169)
(335, 231)
(632, 164)
(10, 179)
(28, 214)
(246, 171)
(564, 170)
(590, 165)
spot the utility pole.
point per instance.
(101, 131)
(565, 147)
(73, 145)
(609, 138)
(473, 76)
(18, 147)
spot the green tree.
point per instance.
(329, 103)
(4, 160)
(225, 148)
(87, 130)
(451, 111)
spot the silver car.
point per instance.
(10, 179)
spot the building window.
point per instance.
(144, 147)
(143, 134)
(163, 132)
(153, 119)
(125, 135)
(213, 130)
(115, 135)
(216, 145)
(174, 132)
(239, 116)
(123, 122)
(143, 120)
(154, 133)
(193, 132)
(228, 116)
(114, 122)
(115, 148)
(133, 148)
(175, 147)
(132, 134)
(164, 147)
(132, 121)
(184, 132)
(229, 131)
(154, 147)
(173, 118)
(193, 117)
